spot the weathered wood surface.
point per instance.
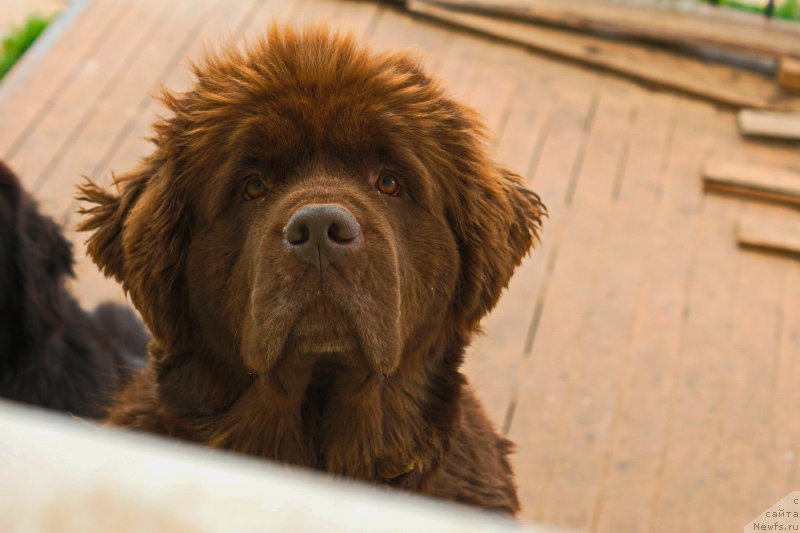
(770, 124)
(758, 182)
(651, 64)
(646, 367)
(673, 27)
(778, 235)
(789, 72)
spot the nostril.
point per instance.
(296, 233)
(341, 233)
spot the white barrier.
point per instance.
(62, 474)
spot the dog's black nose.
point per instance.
(321, 234)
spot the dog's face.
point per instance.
(307, 198)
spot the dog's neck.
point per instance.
(343, 420)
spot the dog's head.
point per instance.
(35, 259)
(308, 197)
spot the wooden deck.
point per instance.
(647, 369)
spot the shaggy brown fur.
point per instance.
(350, 367)
(52, 353)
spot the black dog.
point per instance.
(52, 353)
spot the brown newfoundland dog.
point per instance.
(312, 243)
(54, 354)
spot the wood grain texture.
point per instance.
(650, 64)
(636, 446)
(754, 181)
(776, 235)
(789, 72)
(761, 123)
(755, 36)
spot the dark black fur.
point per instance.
(52, 353)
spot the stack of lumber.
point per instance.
(762, 183)
(666, 48)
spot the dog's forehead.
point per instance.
(299, 97)
(333, 114)
(321, 89)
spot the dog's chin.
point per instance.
(316, 331)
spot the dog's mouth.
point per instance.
(323, 329)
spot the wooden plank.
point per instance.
(356, 18)
(78, 153)
(30, 88)
(770, 124)
(543, 140)
(652, 24)
(784, 427)
(556, 156)
(596, 375)
(395, 31)
(774, 235)
(789, 72)
(753, 181)
(545, 379)
(743, 442)
(95, 77)
(650, 64)
(684, 497)
(494, 358)
(637, 443)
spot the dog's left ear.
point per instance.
(107, 217)
(139, 237)
(501, 220)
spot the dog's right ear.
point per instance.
(106, 218)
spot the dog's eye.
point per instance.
(254, 187)
(387, 183)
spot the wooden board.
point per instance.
(650, 64)
(542, 423)
(759, 182)
(652, 24)
(697, 371)
(635, 470)
(781, 235)
(769, 124)
(749, 386)
(28, 91)
(789, 72)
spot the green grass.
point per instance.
(20, 39)
(789, 10)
